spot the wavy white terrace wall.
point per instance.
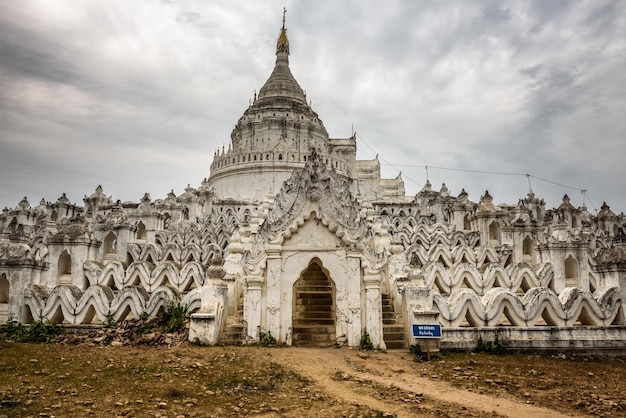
(572, 340)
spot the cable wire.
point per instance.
(528, 176)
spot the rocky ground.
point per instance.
(132, 332)
(119, 372)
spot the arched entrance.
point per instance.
(314, 308)
(4, 298)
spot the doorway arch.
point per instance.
(4, 297)
(314, 308)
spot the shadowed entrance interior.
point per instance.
(314, 310)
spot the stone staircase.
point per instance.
(393, 327)
(234, 332)
(314, 313)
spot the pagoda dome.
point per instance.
(275, 136)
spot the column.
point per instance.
(252, 305)
(354, 299)
(275, 309)
(373, 307)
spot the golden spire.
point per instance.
(283, 42)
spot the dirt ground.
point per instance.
(190, 381)
(395, 383)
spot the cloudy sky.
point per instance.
(136, 96)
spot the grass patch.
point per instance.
(37, 332)
(79, 380)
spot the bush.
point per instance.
(173, 317)
(37, 332)
(266, 339)
(109, 322)
(490, 347)
(366, 342)
(416, 350)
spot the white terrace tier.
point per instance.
(482, 265)
(293, 236)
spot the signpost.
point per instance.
(427, 332)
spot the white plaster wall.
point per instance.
(251, 185)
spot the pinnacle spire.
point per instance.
(282, 45)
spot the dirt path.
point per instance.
(337, 370)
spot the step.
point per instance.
(393, 345)
(314, 337)
(230, 342)
(315, 284)
(312, 311)
(314, 280)
(391, 336)
(232, 327)
(314, 329)
(321, 309)
(393, 328)
(308, 313)
(316, 321)
(315, 293)
(231, 336)
(326, 302)
(315, 307)
(319, 344)
(324, 289)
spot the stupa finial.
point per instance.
(283, 42)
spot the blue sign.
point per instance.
(426, 331)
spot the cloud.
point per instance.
(136, 96)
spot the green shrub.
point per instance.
(41, 331)
(109, 322)
(416, 350)
(266, 339)
(366, 342)
(490, 347)
(173, 317)
(145, 328)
